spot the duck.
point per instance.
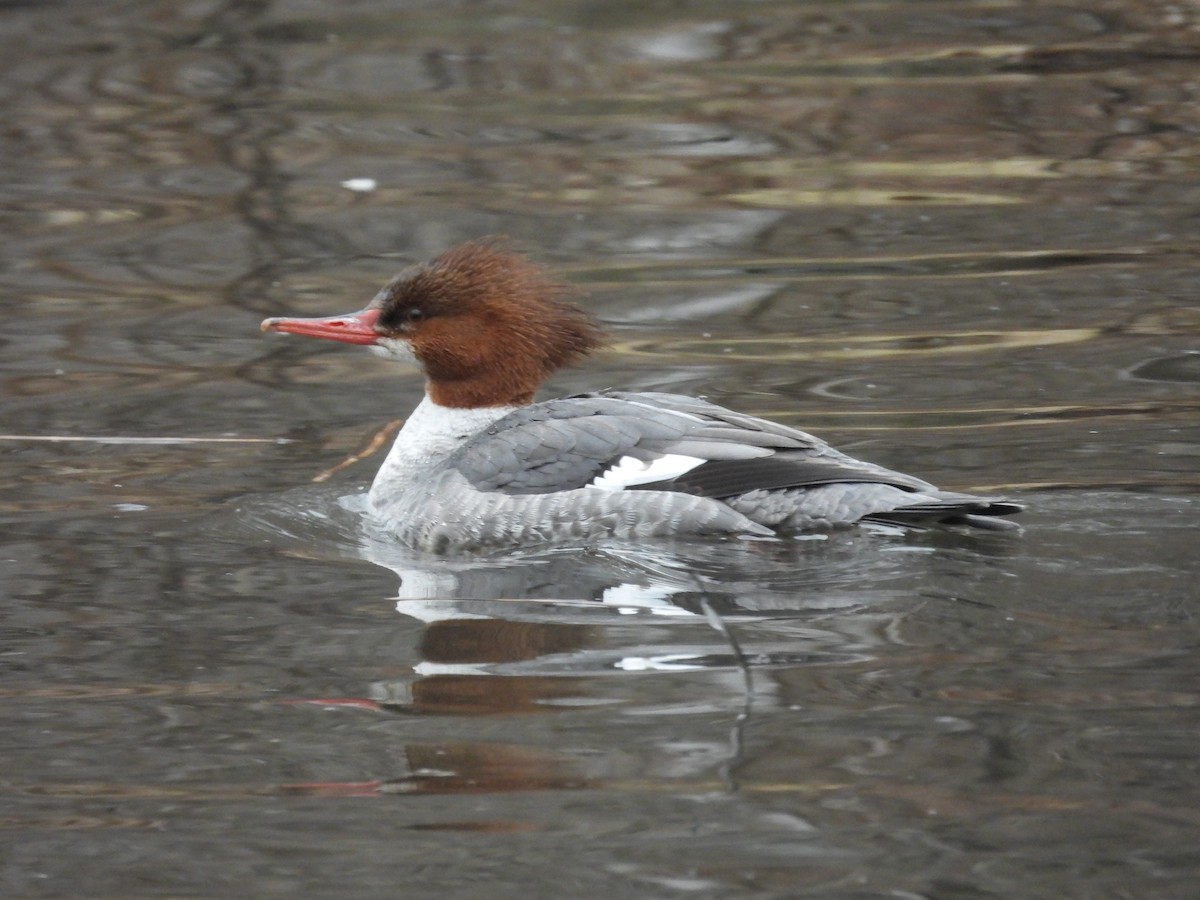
(480, 464)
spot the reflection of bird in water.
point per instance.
(717, 625)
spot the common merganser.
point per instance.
(479, 464)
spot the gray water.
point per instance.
(953, 238)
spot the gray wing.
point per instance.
(565, 444)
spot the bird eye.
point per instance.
(415, 314)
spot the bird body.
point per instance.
(479, 464)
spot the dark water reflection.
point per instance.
(955, 238)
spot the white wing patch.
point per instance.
(629, 471)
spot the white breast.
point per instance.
(429, 435)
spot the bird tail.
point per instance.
(954, 509)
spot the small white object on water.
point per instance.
(360, 185)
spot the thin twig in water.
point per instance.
(737, 735)
(116, 439)
(381, 437)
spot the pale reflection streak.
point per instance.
(870, 346)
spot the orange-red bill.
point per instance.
(354, 328)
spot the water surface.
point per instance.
(952, 238)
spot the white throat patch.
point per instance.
(394, 349)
